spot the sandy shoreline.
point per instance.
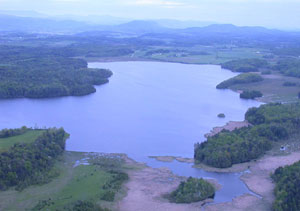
(232, 125)
(172, 158)
(146, 187)
(259, 182)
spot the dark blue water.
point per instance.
(148, 108)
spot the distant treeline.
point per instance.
(5, 133)
(36, 73)
(287, 190)
(28, 164)
(288, 67)
(243, 78)
(270, 123)
(245, 65)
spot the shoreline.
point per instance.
(169, 159)
(231, 125)
(147, 187)
(258, 181)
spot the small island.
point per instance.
(192, 190)
(221, 115)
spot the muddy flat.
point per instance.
(146, 188)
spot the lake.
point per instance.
(148, 108)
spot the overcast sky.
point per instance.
(271, 13)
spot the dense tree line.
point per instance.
(240, 79)
(25, 73)
(270, 123)
(28, 164)
(5, 133)
(250, 94)
(287, 83)
(192, 190)
(245, 65)
(288, 67)
(287, 190)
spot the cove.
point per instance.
(148, 108)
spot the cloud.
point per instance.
(71, 1)
(162, 3)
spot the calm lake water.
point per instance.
(148, 108)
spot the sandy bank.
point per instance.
(172, 158)
(147, 186)
(232, 125)
(258, 180)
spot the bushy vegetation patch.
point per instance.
(5, 133)
(287, 83)
(192, 190)
(250, 94)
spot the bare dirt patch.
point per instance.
(232, 125)
(245, 202)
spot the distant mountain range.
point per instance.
(30, 21)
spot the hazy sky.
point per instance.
(272, 13)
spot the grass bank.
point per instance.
(81, 178)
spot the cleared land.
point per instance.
(28, 137)
(273, 89)
(201, 54)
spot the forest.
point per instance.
(27, 164)
(270, 123)
(245, 65)
(288, 67)
(192, 190)
(287, 190)
(240, 79)
(36, 73)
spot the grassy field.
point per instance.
(81, 178)
(273, 89)
(28, 137)
(213, 54)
